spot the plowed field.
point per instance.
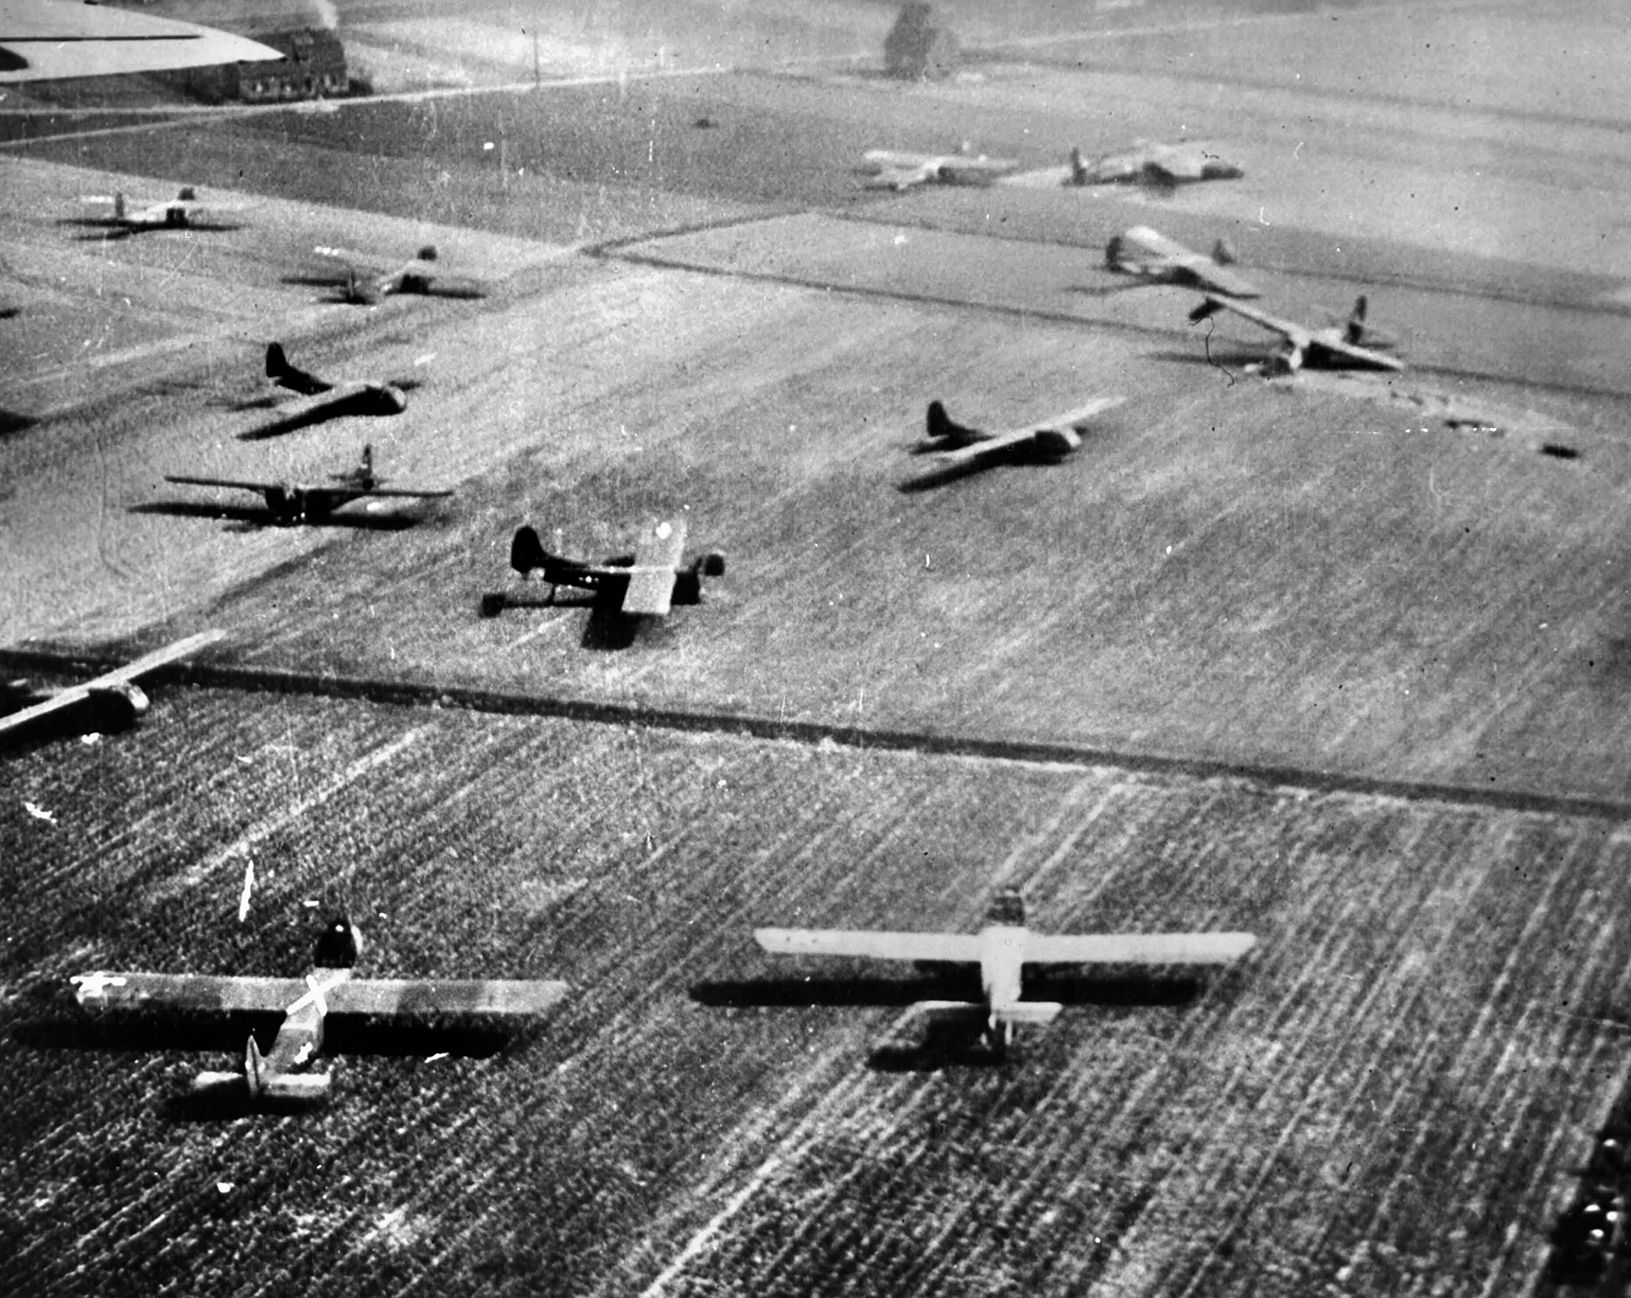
(1390, 1095)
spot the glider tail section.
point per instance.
(998, 1021)
(1355, 332)
(688, 580)
(1025, 1013)
(265, 1086)
(277, 364)
(288, 376)
(527, 551)
(942, 427)
(254, 1069)
(119, 208)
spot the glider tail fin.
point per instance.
(1355, 332)
(940, 426)
(527, 551)
(277, 364)
(119, 208)
(1112, 252)
(254, 1069)
(1078, 167)
(280, 1090)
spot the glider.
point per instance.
(1003, 949)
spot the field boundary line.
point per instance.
(880, 213)
(1033, 752)
(661, 259)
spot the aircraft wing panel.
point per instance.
(201, 992)
(894, 159)
(651, 580)
(1358, 355)
(1079, 416)
(1137, 948)
(350, 257)
(1217, 279)
(988, 450)
(956, 948)
(153, 214)
(403, 493)
(1291, 332)
(385, 996)
(24, 717)
(43, 39)
(897, 179)
(975, 171)
(183, 648)
(382, 996)
(1154, 243)
(188, 480)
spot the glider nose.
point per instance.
(339, 946)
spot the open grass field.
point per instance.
(1316, 662)
(1388, 1097)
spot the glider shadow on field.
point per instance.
(250, 518)
(182, 1031)
(945, 1042)
(1106, 990)
(608, 628)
